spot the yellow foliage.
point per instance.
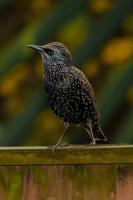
(13, 105)
(48, 123)
(101, 6)
(117, 51)
(8, 87)
(74, 32)
(40, 5)
(91, 68)
(130, 95)
(22, 72)
(12, 80)
(39, 68)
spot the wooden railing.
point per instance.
(69, 173)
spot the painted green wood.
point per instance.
(66, 182)
(85, 172)
(81, 154)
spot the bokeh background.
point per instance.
(100, 35)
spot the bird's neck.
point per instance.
(55, 73)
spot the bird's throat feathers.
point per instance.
(55, 73)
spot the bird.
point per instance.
(69, 92)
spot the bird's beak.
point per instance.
(36, 47)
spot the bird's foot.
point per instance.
(101, 139)
(57, 146)
(105, 139)
(93, 143)
(63, 144)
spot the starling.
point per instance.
(69, 92)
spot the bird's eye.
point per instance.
(50, 52)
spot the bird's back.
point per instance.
(93, 114)
(85, 85)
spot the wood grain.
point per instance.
(105, 154)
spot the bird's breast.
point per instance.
(68, 100)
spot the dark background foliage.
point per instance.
(100, 36)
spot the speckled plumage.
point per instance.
(69, 92)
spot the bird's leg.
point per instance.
(104, 139)
(88, 129)
(59, 143)
(90, 133)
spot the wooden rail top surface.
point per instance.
(77, 154)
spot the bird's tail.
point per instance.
(95, 123)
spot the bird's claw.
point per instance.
(93, 143)
(57, 146)
(101, 139)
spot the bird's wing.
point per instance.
(88, 88)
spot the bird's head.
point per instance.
(54, 53)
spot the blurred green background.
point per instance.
(100, 35)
